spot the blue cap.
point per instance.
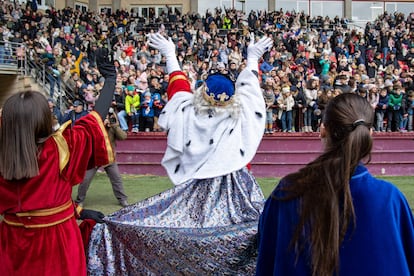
(219, 90)
(198, 84)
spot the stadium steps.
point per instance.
(278, 154)
(8, 69)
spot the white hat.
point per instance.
(364, 77)
(286, 89)
(369, 86)
(388, 83)
(220, 65)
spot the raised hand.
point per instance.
(106, 67)
(166, 48)
(256, 50)
(105, 63)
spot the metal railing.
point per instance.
(11, 60)
(16, 58)
(51, 83)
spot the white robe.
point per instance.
(199, 146)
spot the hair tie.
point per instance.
(357, 123)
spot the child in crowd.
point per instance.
(395, 108)
(286, 103)
(317, 112)
(323, 101)
(119, 104)
(373, 95)
(404, 112)
(299, 108)
(276, 121)
(146, 116)
(363, 92)
(311, 94)
(410, 109)
(381, 109)
(269, 98)
(132, 103)
(158, 104)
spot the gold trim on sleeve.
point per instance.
(177, 77)
(111, 158)
(62, 145)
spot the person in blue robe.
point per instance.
(333, 217)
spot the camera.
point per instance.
(112, 119)
(111, 116)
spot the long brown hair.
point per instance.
(26, 122)
(326, 208)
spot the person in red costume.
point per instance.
(39, 234)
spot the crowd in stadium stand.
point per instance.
(312, 60)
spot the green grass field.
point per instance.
(138, 187)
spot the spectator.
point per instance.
(311, 95)
(323, 101)
(299, 107)
(325, 63)
(286, 103)
(56, 113)
(119, 104)
(75, 113)
(342, 83)
(381, 109)
(159, 104)
(132, 105)
(235, 56)
(373, 95)
(395, 108)
(410, 110)
(2, 45)
(299, 42)
(112, 171)
(269, 98)
(146, 116)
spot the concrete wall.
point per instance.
(13, 83)
(278, 154)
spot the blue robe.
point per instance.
(382, 242)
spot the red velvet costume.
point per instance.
(178, 83)
(39, 234)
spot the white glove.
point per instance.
(167, 49)
(256, 50)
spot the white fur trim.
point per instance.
(200, 146)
